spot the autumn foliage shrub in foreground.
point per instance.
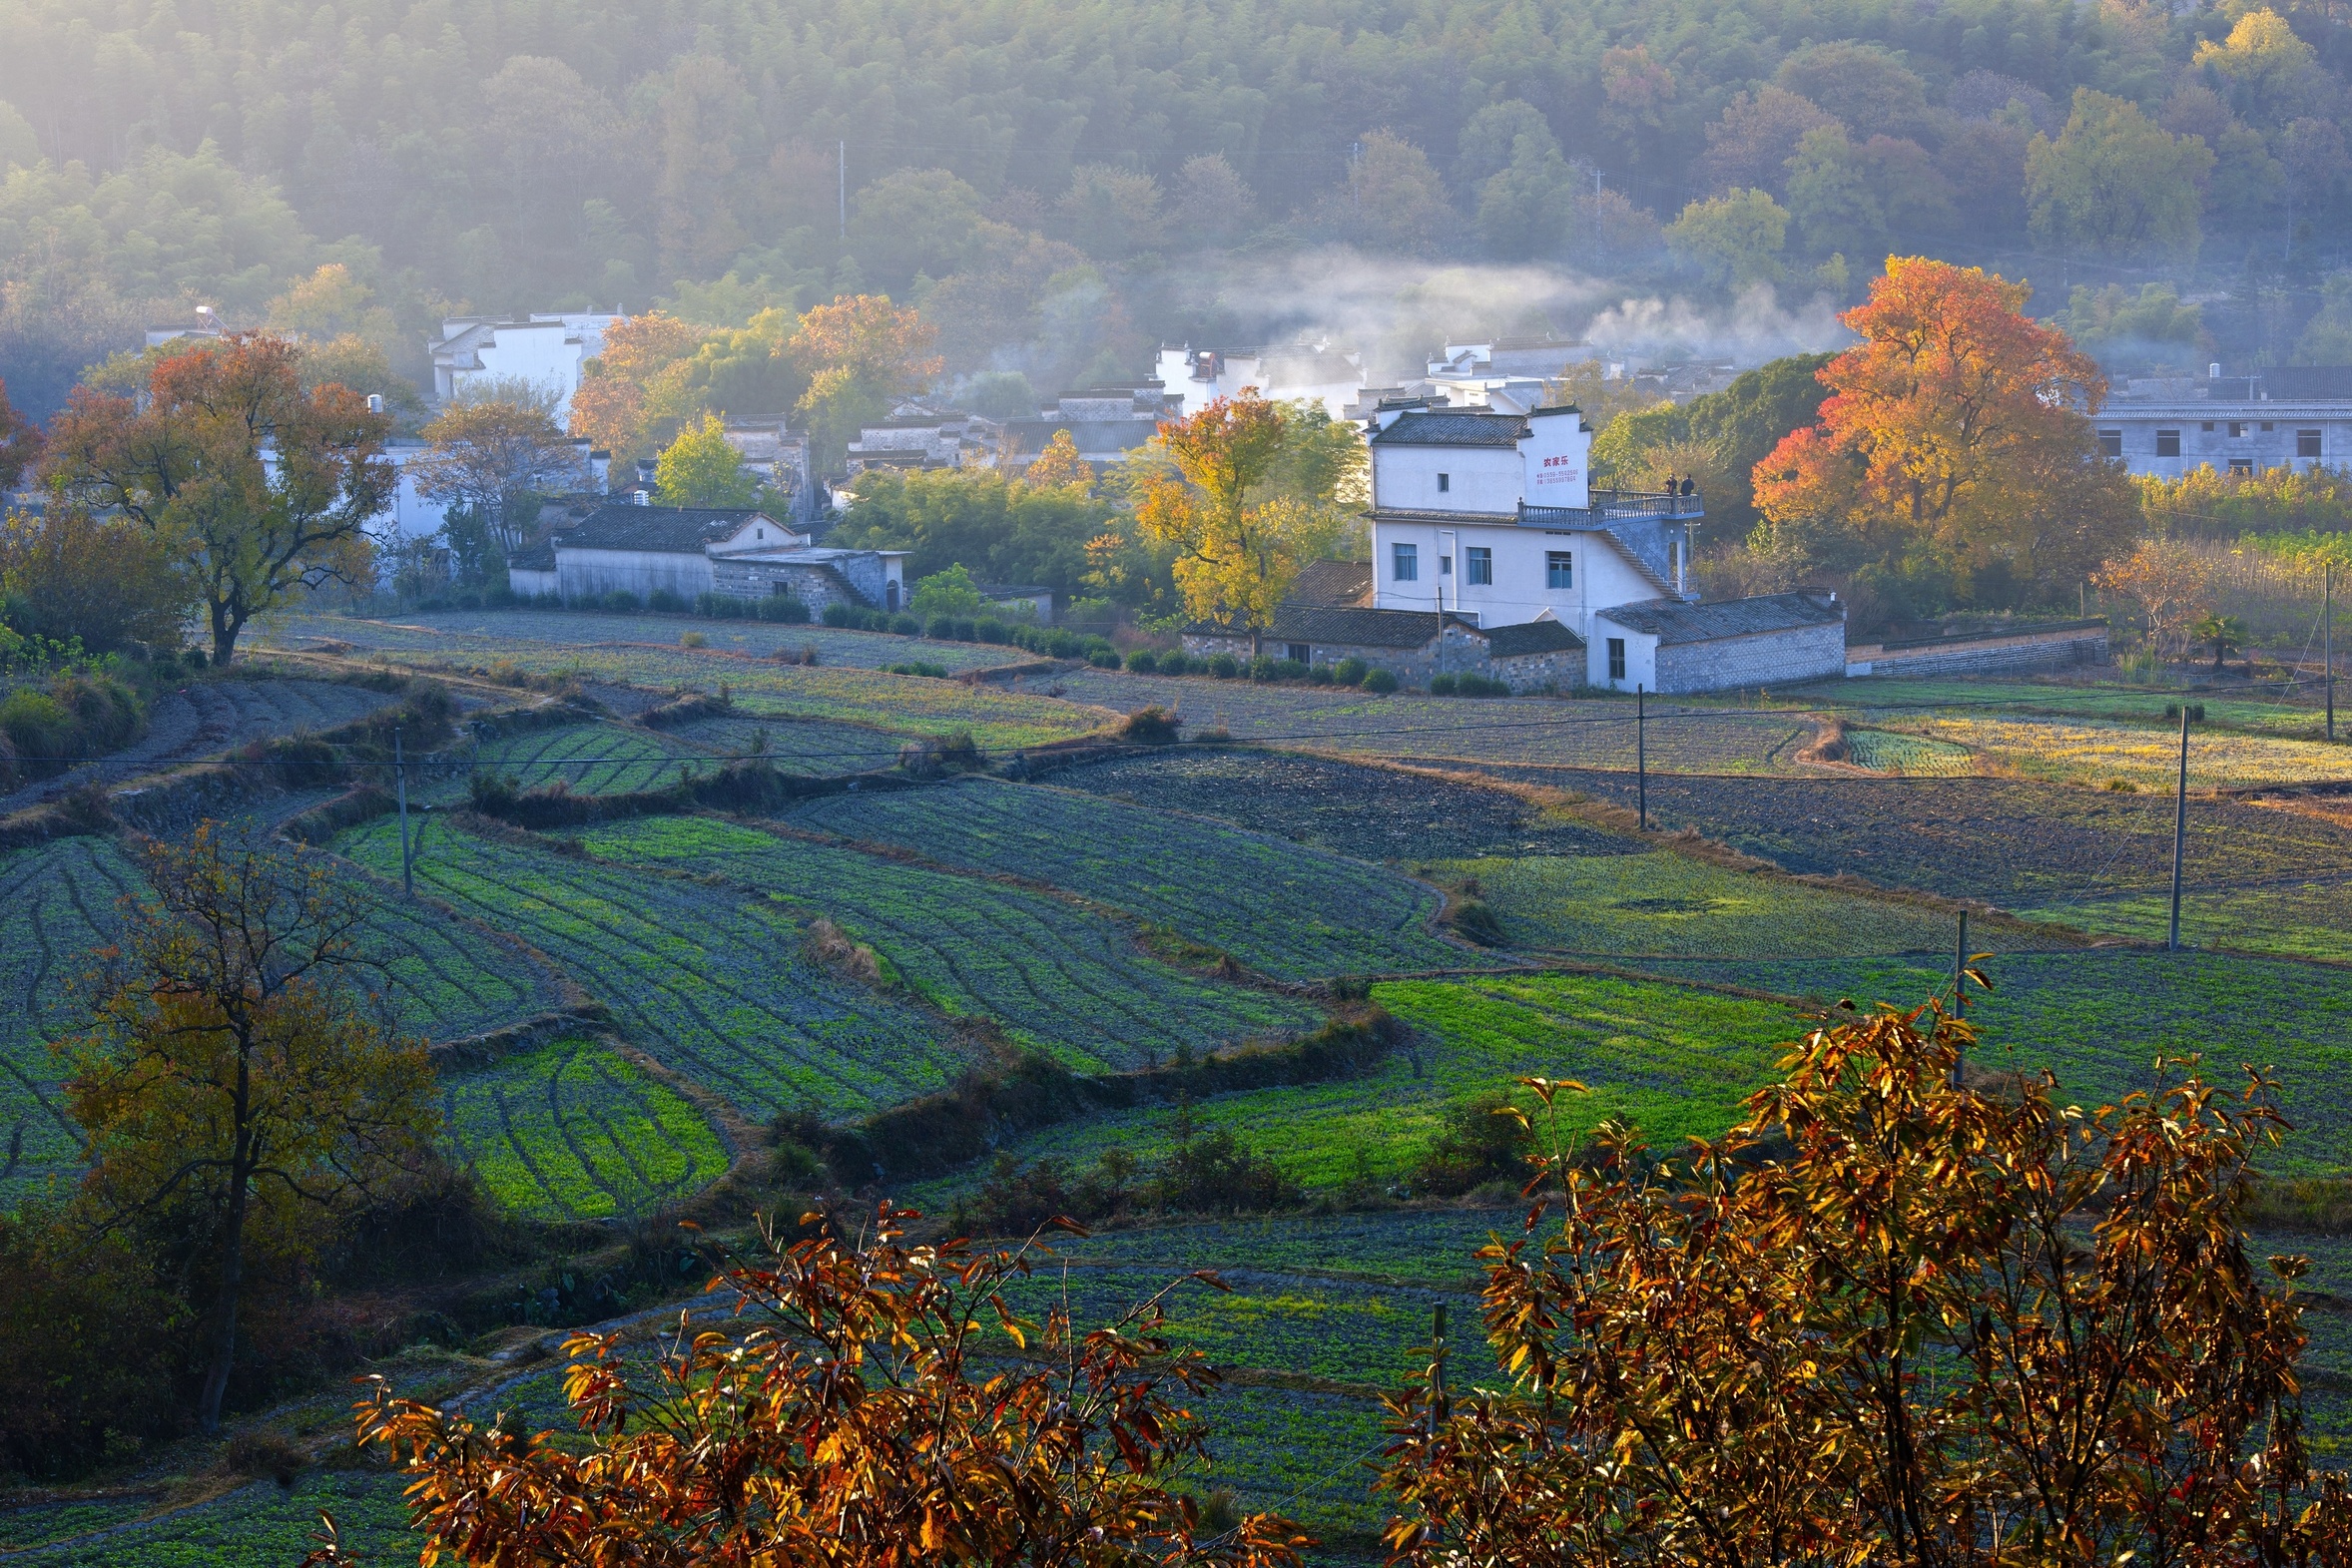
(1885, 1321)
(889, 1408)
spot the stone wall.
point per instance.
(1722, 664)
(813, 586)
(1463, 652)
(1976, 655)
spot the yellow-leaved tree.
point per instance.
(1246, 492)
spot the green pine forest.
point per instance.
(1063, 182)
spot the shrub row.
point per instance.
(76, 714)
(1265, 666)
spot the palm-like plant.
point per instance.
(2225, 632)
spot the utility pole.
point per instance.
(1641, 754)
(2327, 639)
(1959, 996)
(401, 784)
(2179, 831)
(843, 151)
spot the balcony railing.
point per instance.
(1615, 506)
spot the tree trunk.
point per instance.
(224, 1325)
(224, 630)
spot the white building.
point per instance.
(1310, 371)
(915, 437)
(546, 350)
(2297, 417)
(1489, 517)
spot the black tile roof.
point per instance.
(1531, 637)
(1675, 621)
(1453, 427)
(535, 557)
(1338, 584)
(660, 530)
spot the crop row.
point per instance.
(1913, 756)
(571, 1130)
(2062, 700)
(1068, 982)
(2011, 842)
(586, 759)
(1669, 904)
(491, 633)
(1419, 1247)
(1674, 1058)
(1286, 910)
(2098, 1020)
(707, 979)
(1346, 806)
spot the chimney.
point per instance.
(2213, 372)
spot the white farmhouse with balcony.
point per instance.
(1490, 517)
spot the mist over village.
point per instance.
(1219, 786)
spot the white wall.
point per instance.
(640, 571)
(1477, 478)
(545, 354)
(1557, 453)
(1641, 657)
(1601, 577)
(2266, 440)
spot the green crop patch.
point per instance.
(585, 758)
(2098, 1018)
(2295, 920)
(1426, 1248)
(573, 1130)
(490, 634)
(706, 979)
(1065, 981)
(1355, 809)
(1639, 905)
(1913, 756)
(260, 1523)
(1676, 1058)
(1288, 911)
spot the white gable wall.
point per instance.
(1477, 478)
(1641, 657)
(1599, 574)
(1557, 455)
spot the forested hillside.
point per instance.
(1048, 162)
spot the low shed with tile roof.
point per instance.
(1532, 656)
(1671, 645)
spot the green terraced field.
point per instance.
(491, 632)
(1287, 911)
(708, 980)
(586, 759)
(1599, 733)
(1068, 982)
(2098, 1018)
(573, 1130)
(1663, 905)
(1676, 1058)
(63, 897)
(906, 705)
(2230, 704)
(1375, 813)
(1426, 1248)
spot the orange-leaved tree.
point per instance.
(1244, 492)
(889, 1408)
(1885, 1321)
(261, 489)
(1961, 426)
(860, 353)
(610, 406)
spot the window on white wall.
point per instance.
(1445, 484)
(1478, 566)
(1616, 658)
(1406, 563)
(1560, 569)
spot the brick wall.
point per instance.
(813, 586)
(1806, 653)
